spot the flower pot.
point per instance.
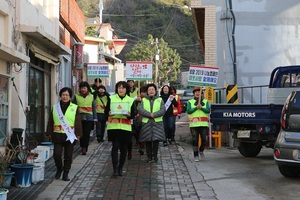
(7, 177)
(37, 174)
(23, 174)
(3, 193)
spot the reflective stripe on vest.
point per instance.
(175, 109)
(70, 116)
(99, 104)
(59, 128)
(85, 104)
(120, 121)
(156, 107)
(198, 118)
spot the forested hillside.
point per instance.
(135, 19)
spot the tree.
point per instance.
(169, 60)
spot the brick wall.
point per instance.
(209, 30)
(210, 36)
(73, 22)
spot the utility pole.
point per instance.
(156, 63)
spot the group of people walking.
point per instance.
(130, 112)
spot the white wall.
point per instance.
(267, 35)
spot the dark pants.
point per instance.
(135, 133)
(87, 127)
(60, 145)
(118, 162)
(169, 125)
(100, 129)
(152, 149)
(197, 132)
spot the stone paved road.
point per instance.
(167, 179)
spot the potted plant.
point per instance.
(23, 170)
(6, 158)
(5, 173)
(3, 193)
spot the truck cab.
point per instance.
(283, 80)
(257, 125)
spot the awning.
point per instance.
(39, 36)
(43, 55)
(111, 57)
(11, 55)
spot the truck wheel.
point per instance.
(249, 149)
(289, 171)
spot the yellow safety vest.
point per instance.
(156, 107)
(135, 93)
(198, 118)
(101, 104)
(175, 109)
(85, 104)
(119, 121)
(92, 89)
(70, 117)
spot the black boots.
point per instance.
(65, 176)
(58, 173)
(129, 154)
(120, 171)
(115, 172)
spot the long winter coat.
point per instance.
(152, 130)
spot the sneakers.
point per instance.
(202, 155)
(196, 159)
(165, 144)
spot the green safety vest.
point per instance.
(70, 117)
(101, 103)
(119, 121)
(198, 118)
(85, 104)
(135, 93)
(92, 89)
(156, 107)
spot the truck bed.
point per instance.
(245, 113)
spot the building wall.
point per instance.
(33, 22)
(266, 36)
(73, 19)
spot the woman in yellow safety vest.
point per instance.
(85, 101)
(120, 111)
(64, 116)
(198, 121)
(134, 93)
(101, 100)
(152, 109)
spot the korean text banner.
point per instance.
(97, 70)
(203, 76)
(136, 70)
